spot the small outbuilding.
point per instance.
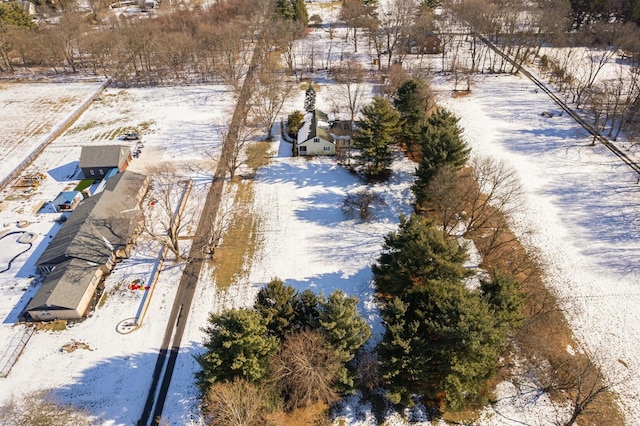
(66, 201)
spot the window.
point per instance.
(303, 149)
(101, 172)
(316, 140)
(327, 148)
(92, 172)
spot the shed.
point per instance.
(66, 201)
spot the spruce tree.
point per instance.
(238, 345)
(376, 136)
(506, 299)
(442, 339)
(441, 144)
(275, 303)
(307, 306)
(415, 256)
(411, 101)
(346, 331)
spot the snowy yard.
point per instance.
(581, 206)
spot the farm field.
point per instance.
(31, 112)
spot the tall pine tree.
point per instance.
(238, 345)
(346, 331)
(275, 303)
(442, 339)
(376, 136)
(412, 101)
(441, 144)
(416, 256)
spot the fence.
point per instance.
(53, 135)
(13, 351)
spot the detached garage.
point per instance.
(97, 161)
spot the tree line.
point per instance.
(292, 353)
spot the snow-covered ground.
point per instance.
(581, 205)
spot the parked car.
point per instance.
(131, 136)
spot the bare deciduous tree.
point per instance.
(396, 18)
(236, 403)
(165, 217)
(479, 199)
(305, 369)
(234, 153)
(361, 203)
(271, 91)
(350, 75)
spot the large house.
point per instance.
(87, 246)
(314, 137)
(97, 161)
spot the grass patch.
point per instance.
(240, 242)
(84, 184)
(145, 125)
(258, 154)
(55, 325)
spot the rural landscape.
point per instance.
(316, 212)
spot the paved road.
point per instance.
(168, 354)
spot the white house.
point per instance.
(314, 137)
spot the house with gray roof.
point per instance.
(67, 291)
(96, 235)
(96, 161)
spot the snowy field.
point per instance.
(581, 206)
(31, 112)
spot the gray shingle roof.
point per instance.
(64, 287)
(99, 224)
(103, 155)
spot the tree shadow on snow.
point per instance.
(115, 390)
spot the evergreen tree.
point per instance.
(293, 10)
(307, 306)
(294, 122)
(442, 339)
(346, 331)
(310, 99)
(441, 144)
(238, 345)
(275, 304)
(506, 299)
(376, 136)
(411, 101)
(416, 256)
(14, 15)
